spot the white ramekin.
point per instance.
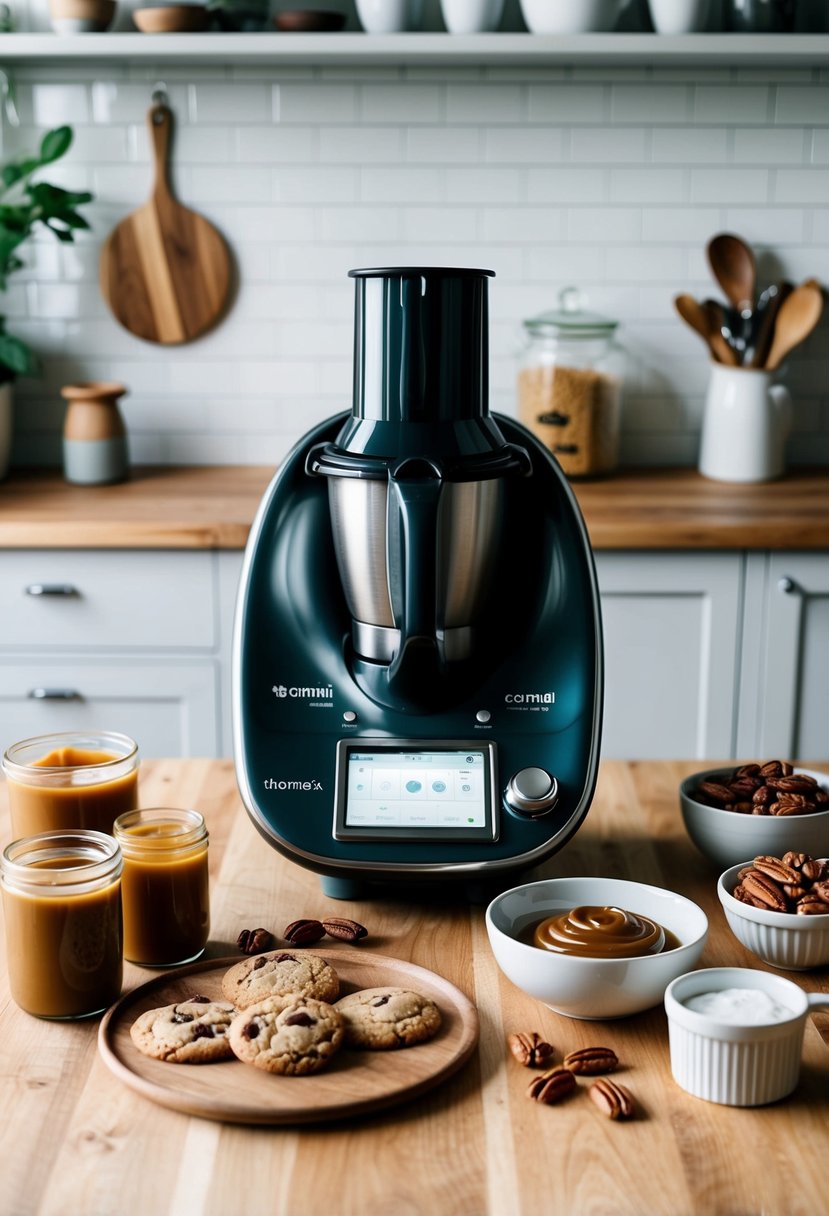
(737, 1065)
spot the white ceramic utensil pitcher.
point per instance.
(745, 425)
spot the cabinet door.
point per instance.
(671, 631)
(168, 708)
(793, 720)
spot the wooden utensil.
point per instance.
(734, 267)
(696, 315)
(797, 316)
(164, 270)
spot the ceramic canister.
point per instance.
(94, 435)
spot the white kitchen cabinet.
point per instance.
(130, 640)
(784, 703)
(672, 625)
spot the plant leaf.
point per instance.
(15, 355)
(54, 144)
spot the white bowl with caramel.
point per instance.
(595, 948)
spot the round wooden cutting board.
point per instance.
(165, 270)
(355, 1083)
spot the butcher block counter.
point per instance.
(75, 1138)
(213, 508)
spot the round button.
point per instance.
(349, 716)
(483, 715)
(532, 792)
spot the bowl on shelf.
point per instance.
(570, 16)
(781, 939)
(309, 21)
(726, 837)
(81, 16)
(592, 987)
(172, 19)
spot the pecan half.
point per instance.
(552, 1086)
(303, 932)
(774, 868)
(742, 896)
(591, 1061)
(761, 887)
(812, 869)
(821, 890)
(530, 1049)
(612, 1098)
(810, 905)
(716, 790)
(796, 860)
(344, 929)
(254, 941)
(797, 783)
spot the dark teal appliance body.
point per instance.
(533, 689)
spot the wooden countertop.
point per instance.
(75, 1139)
(213, 507)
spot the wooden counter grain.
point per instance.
(73, 1139)
(213, 508)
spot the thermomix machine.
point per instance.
(418, 663)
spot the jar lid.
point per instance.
(571, 319)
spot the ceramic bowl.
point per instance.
(593, 988)
(738, 1062)
(81, 16)
(782, 939)
(727, 837)
(309, 21)
(172, 19)
(567, 17)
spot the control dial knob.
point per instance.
(531, 792)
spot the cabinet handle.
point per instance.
(787, 585)
(65, 589)
(54, 694)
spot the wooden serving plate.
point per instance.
(356, 1082)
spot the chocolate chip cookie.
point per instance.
(382, 1019)
(190, 1032)
(278, 973)
(291, 1035)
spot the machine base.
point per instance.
(477, 893)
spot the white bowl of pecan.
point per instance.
(754, 809)
(587, 966)
(778, 907)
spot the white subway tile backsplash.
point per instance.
(56, 104)
(689, 145)
(649, 102)
(612, 180)
(724, 105)
(219, 102)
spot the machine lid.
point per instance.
(330, 460)
(386, 272)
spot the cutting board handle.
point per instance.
(160, 122)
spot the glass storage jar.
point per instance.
(570, 386)
(64, 932)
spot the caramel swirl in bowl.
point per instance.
(597, 932)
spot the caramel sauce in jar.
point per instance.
(62, 908)
(65, 781)
(164, 888)
(600, 932)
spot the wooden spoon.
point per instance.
(797, 316)
(734, 267)
(694, 314)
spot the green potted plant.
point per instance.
(25, 205)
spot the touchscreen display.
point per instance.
(416, 791)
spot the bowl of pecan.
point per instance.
(755, 809)
(778, 907)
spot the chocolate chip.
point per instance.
(203, 1032)
(250, 1031)
(182, 1017)
(300, 1018)
(381, 1000)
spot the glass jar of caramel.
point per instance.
(165, 888)
(70, 780)
(62, 908)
